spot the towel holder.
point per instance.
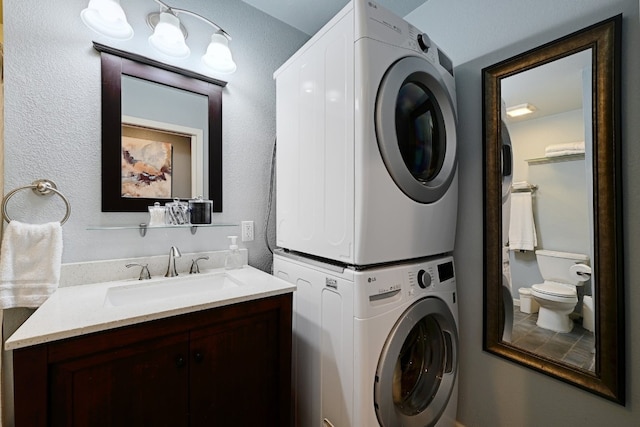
(41, 187)
(531, 188)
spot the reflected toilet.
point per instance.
(557, 295)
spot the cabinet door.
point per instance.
(236, 373)
(139, 385)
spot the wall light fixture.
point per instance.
(169, 34)
(106, 17)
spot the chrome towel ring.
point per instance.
(41, 187)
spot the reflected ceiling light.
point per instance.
(107, 18)
(520, 110)
(169, 37)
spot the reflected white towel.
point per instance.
(563, 149)
(520, 185)
(562, 153)
(30, 261)
(522, 229)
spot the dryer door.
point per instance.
(418, 366)
(507, 162)
(416, 129)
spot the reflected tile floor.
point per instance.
(575, 347)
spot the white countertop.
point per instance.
(78, 310)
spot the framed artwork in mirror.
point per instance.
(553, 285)
(161, 133)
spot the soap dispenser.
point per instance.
(233, 259)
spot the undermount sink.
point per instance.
(169, 288)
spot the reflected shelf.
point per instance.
(143, 227)
(555, 159)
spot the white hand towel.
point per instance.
(30, 261)
(522, 229)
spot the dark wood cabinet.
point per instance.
(228, 366)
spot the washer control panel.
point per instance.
(424, 42)
(375, 289)
(430, 275)
(424, 279)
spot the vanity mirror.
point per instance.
(161, 133)
(552, 211)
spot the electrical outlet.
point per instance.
(247, 231)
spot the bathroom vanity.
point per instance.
(220, 356)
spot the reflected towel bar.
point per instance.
(528, 189)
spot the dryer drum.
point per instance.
(418, 366)
(415, 124)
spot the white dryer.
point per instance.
(373, 347)
(366, 142)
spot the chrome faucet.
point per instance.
(195, 269)
(171, 268)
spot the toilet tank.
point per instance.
(555, 265)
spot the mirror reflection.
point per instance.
(163, 131)
(553, 254)
(547, 221)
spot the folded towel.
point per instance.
(520, 185)
(522, 229)
(30, 261)
(569, 146)
(562, 153)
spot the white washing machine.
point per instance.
(366, 142)
(373, 347)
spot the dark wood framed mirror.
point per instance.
(570, 216)
(163, 158)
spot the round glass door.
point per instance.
(416, 129)
(417, 368)
(506, 157)
(420, 131)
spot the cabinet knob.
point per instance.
(180, 362)
(198, 356)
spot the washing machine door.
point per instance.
(418, 366)
(416, 129)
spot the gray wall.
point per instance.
(495, 392)
(52, 120)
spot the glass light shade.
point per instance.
(218, 56)
(168, 38)
(106, 17)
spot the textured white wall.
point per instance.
(52, 121)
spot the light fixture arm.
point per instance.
(176, 11)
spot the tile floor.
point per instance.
(575, 347)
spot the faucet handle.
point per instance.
(195, 269)
(144, 272)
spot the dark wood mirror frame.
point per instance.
(608, 379)
(115, 63)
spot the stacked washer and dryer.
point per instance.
(367, 196)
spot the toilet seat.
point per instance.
(555, 292)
